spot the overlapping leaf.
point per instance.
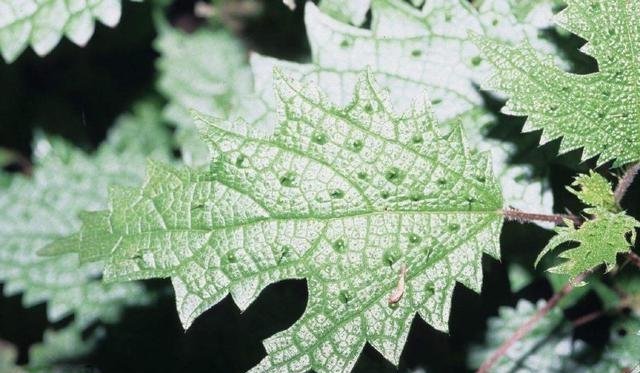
(204, 71)
(597, 112)
(35, 211)
(42, 23)
(344, 197)
(409, 51)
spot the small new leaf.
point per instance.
(600, 238)
(597, 112)
(594, 190)
(343, 197)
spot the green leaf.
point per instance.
(595, 190)
(344, 197)
(600, 239)
(59, 346)
(426, 43)
(548, 348)
(411, 51)
(42, 23)
(36, 211)
(205, 71)
(597, 112)
(519, 277)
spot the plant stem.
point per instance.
(624, 303)
(588, 318)
(634, 258)
(526, 217)
(527, 326)
(625, 182)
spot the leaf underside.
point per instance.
(435, 55)
(343, 197)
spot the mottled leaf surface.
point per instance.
(342, 196)
(411, 51)
(597, 112)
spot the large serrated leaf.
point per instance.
(597, 112)
(345, 197)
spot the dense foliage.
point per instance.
(266, 186)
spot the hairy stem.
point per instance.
(526, 217)
(625, 182)
(527, 326)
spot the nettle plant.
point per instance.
(367, 172)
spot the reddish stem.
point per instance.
(527, 326)
(588, 318)
(527, 217)
(634, 258)
(625, 182)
